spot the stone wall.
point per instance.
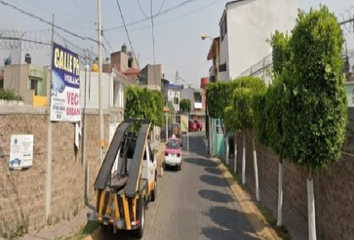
(334, 187)
(23, 192)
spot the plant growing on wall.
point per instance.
(274, 108)
(316, 104)
(185, 105)
(247, 88)
(219, 97)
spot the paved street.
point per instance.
(194, 203)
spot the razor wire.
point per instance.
(41, 40)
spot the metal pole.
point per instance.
(100, 102)
(217, 61)
(49, 139)
(174, 110)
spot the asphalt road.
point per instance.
(194, 203)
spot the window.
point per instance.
(1, 83)
(130, 62)
(176, 100)
(223, 27)
(34, 86)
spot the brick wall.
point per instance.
(334, 187)
(22, 193)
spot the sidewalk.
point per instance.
(65, 228)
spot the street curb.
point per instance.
(257, 220)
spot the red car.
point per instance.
(199, 125)
(192, 126)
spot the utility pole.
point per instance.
(174, 110)
(101, 142)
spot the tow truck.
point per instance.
(127, 180)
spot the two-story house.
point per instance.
(245, 26)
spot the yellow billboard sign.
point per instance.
(184, 123)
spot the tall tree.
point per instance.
(316, 104)
(274, 108)
(247, 88)
(218, 95)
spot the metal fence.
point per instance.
(346, 21)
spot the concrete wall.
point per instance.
(16, 78)
(151, 76)
(172, 93)
(333, 187)
(22, 193)
(249, 24)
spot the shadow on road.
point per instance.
(213, 170)
(213, 180)
(200, 162)
(215, 196)
(121, 235)
(233, 225)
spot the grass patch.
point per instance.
(282, 232)
(84, 231)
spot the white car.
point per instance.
(173, 153)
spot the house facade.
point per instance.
(151, 75)
(245, 26)
(174, 96)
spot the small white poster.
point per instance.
(21, 151)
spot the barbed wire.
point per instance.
(40, 39)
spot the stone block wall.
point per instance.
(334, 187)
(23, 192)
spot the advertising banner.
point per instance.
(21, 151)
(184, 123)
(65, 86)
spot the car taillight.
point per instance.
(166, 153)
(178, 154)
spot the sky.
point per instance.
(177, 41)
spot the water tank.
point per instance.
(124, 48)
(28, 58)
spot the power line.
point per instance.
(142, 11)
(148, 18)
(126, 31)
(82, 13)
(176, 18)
(47, 22)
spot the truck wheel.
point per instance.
(154, 192)
(139, 232)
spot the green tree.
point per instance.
(185, 105)
(316, 104)
(274, 108)
(219, 97)
(144, 103)
(247, 88)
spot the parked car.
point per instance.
(199, 125)
(173, 153)
(192, 126)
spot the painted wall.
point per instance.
(249, 24)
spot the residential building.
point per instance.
(196, 98)
(245, 27)
(164, 89)
(123, 62)
(151, 76)
(29, 81)
(174, 96)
